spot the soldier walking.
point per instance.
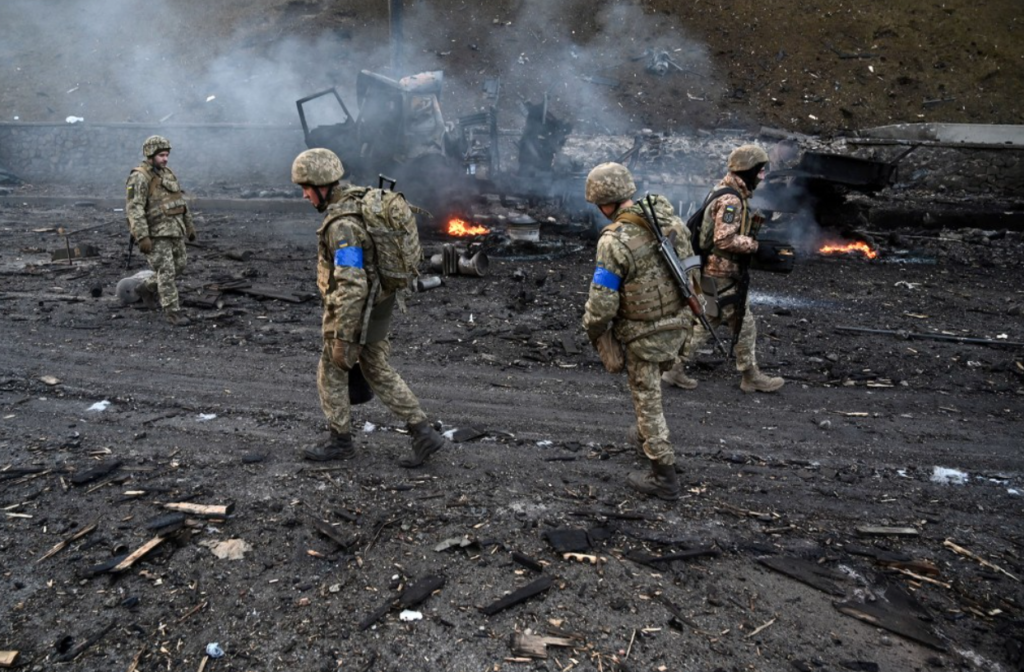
(729, 230)
(635, 305)
(159, 220)
(357, 310)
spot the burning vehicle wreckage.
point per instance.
(460, 174)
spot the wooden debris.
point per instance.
(78, 649)
(60, 546)
(329, 531)
(985, 563)
(137, 554)
(881, 530)
(135, 661)
(881, 614)
(523, 594)
(653, 560)
(206, 510)
(526, 561)
(410, 597)
(96, 472)
(421, 590)
(527, 645)
(805, 571)
(761, 627)
(8, 658)
(582, 557)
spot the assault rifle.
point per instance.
(667, 247)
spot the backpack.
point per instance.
(703, 241)
(391, 224)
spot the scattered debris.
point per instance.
(529, 645)
(205, 510)
(963, 551)
(230, 549)
(805, 571)
(518, 597)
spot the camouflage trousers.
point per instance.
(645, 386)
(332, 384)
(167, 259)
(746, 356)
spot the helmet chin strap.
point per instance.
(323, 201)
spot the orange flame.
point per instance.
(859, 246)
(460, 227)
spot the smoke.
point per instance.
(239, 62)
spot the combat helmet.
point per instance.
(610, 183)
(318, 167)
(746, 157)
(155, 144)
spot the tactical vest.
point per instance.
(165, 200)
(652, 293)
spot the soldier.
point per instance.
(634, 295)
(159, 219)
(732, 230)
(348, 279)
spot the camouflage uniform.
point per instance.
(633, 292)
(348, 282)
(156, 209)
(735, 231)
(732, 230)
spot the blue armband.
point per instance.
(351, 257)
(605, 278)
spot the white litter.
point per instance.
(209, 98)
(409, 616)
(74, 120)
(213, 650)
(1013, 492)
(205, 417)
(368, 427)
(948, 476)
(99, 406)
(450, 434)
(545, 444)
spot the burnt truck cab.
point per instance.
(399, 132)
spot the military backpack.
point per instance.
(391, 224)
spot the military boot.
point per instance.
(148, 296)
(337, 446)
(178, 319)
(425, 442)
(677, 377)
(660, 482)
(755, 381)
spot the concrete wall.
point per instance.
(101, 155)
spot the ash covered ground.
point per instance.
(861, 437)
(866, 517)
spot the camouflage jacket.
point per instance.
(633, 291)
(155, 204)
(346, 274)
(735, 229)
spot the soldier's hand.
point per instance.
(146, 245)
(191, 233)
(345, 354)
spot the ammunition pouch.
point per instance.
(649, 300)
(773, 256)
